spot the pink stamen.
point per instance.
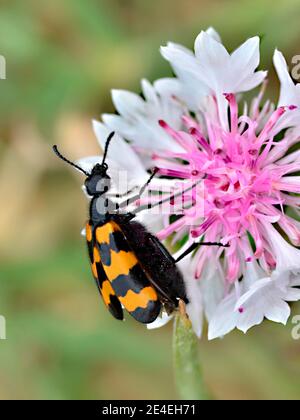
(189, 122)
(230, 97)
(270, 124)
(171, 229)
(244, 184)
(174, 173)
(196, 233)
(176, 135)
(201, 140)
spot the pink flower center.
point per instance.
(242, 181)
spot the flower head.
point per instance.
(245, 185)
(244, 160)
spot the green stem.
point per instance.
(188, 372)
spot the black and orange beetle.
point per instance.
(131, 267)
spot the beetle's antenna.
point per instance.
(109, 138)
(155, 170)
(195, 245)
(55, 149)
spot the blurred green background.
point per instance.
(63, 57)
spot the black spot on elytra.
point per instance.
(115, 308)
(149, 314)
(105, 254)
(90, 251)
(136, 280)
(101, 274)
(118, 242)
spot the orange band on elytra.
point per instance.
(133, 300)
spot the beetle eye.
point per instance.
(103, 185)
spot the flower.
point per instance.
(242, 162)
(261, 297)
(247, 184)
(289, 92)
(213, 71)
(137, 119)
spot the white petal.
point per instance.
(138, 119)
(119, 124)
(290, 158)
(293, 295)
(189, 72)
(212, 286)
(223, 109)
(195, 306)
(278, 310)
(243, 62)
(168, 87)
(295, 280)
(291, 118)
(121, 153)
(249, 319)
(214, 34)
(160, 321)
(261, 298)
(127, 103)
(193, 90)
(211, 53)
(101, 132)
(287, 256)
(176, 53)
(254, 290)
(251, 82)
(288, 92)
(149, 93)
(213, 71)
(266, 299)
(225, 319)
(253, 273)
(282, 68)
(246, 57)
